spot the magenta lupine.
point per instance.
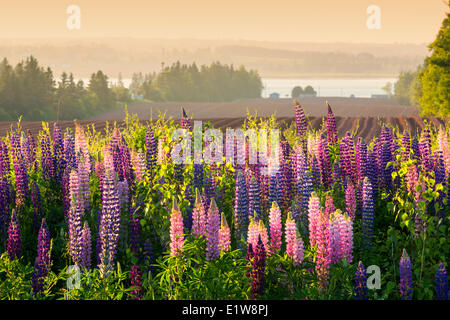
(212, 232)
(136, 282)
(14, 245)
(360, 158)
(176, 230)
(313, 218)
(290, 235)
(224, 235)
(42, 262)
(323, 250)
(258, 270)
(350, 200)
(324, 162)
(406, 282)
(75, 218)
(86, 246)
(300, 120)
(331, 126)
(275, 228)
(198, 217)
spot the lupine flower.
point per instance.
(315, 172)
(313, 218)
(441, 282)
(361, 157)
(75, 219)
(86, 246)
(331, 126)
(256, 229)
(176, 230)
(14, 245)
(335, 238)
(212, 232)
(209, 190)
(138, 160)
(185, 123)
(360, 282)
(82, 147)
(307, 189)
(241, 205)
(406, 283)
(406, 145)
(42, 263)
(148, 255)
(37, 204)
(323, 250)
(31, 147)
(300, 120)
(249, 257)
(198, 176)
(136, 282)
(259, 267)
(346, 238)
(224, 235)
(290, 235)
(58, 151)
(275, 228)
(299, 254)
(425, 149)
(254, 202)
(367, 213)
(150, 149)
(198, 217)
(350, 200)
(443, 146)
(69, 149)
(329, 205)
(135, 229)
(4, 204)
(337, 181)
(21, 183)
(83, 178)
(372, 173)
(109, 229)
(324, 162)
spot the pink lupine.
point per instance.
(212, 232)
(138, 160)
(313, 217)
(198, 217)
(346, 238)
(350, 200)
(176, 230)
(299, 254)
(275, 228)
(335, 240)
(262, 233)
(86, 246)
(256, 230)
(290, 235)
(329, 205)
(224, 235)
(81, 146)
(323, 250)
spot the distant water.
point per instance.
(362, 88)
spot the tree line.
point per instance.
(188, 82)
(429, 86)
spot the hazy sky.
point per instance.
(413, 21)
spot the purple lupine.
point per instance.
(4, 159)
(441, 282)
(350, 200)
(150, 149)
(42, 262)
(25, 150)
(14, 139)
(109, 229)
(406, 145)
(361, 158)
(208, 184)
(367, 213)
(198, 176)
(300, 120)
(315, 172)
(4, 204)
(337, 181)
(31, 147)
(224, 234)
(81, 146)
(148, 255)
(136, 282)
(425, 149)
(47, 157)
(36, 200)
(65, 189)
(386, 176)
(135, 229)
(185, 122)
(360, 282)
(86, 246)
(258, 270)
(372, 173)
(20, 171)
(324, 162)
(212, 232)
(127, 168)
(415, 148)
(331, 126)
(13, 244)
(241, 206)
(75, 223)
(307, 189)
(69, 149)
(58, 151)
(406, 283)
(254, 201)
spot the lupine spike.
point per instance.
(212, 232)
(14, 243)
(360, 282)
(176, 230)
(406, 283)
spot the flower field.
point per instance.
(111, 215)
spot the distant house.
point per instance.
(274, 95)
(379, 96)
